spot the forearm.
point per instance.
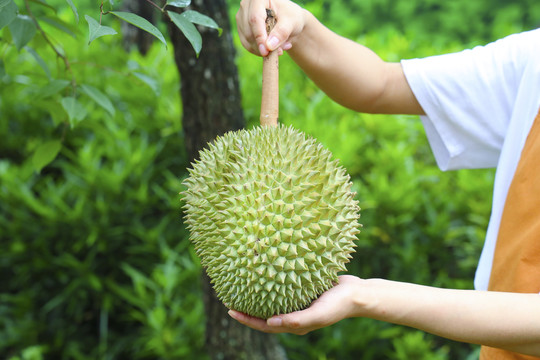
(504, 320)
(351, 74)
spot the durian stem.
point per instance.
(270, 80)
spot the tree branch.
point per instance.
(53, 47)
(161, 9)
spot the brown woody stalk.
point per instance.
(270, 81)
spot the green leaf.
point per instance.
(96, 30)
(22, 30)
(60, 25)
(74, 9)
(100, 98)
(2, 69)
(53, 108)
(4, 3)
(125, 294)
(152, 83)
(141, 23)
(53, 87)
(8, 13)
(39, 60)
(179, 3)
(157, 318)
(200, 19)
(75, 111)
(188, 29)
(44, 4)
(45, 154)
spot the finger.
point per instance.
(274, 324)
(301, 322)
(286, 46)
(257, 23)
(250, 22)
(249, 46)
(252, 322)
(290, 323)
(244, 32)
(278, 36)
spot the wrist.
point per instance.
(364, 301)
(304, 27)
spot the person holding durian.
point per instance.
(480, 108)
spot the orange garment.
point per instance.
(516, 263)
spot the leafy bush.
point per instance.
(435, 22)
(94, 256)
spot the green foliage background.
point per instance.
(94, 259)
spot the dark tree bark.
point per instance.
(212, 106)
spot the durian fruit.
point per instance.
(272, 218)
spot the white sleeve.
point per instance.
(468, 98)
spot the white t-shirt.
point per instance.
(480, 106)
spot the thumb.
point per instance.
(278, 36)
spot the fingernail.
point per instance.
(232, 314)
(274, 321)
(272, 43)
(287, 46)
(262, 50)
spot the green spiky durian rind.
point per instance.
(272, 218)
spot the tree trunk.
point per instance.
(212, 106)
(209, 84)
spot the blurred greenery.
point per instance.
(95, 262)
